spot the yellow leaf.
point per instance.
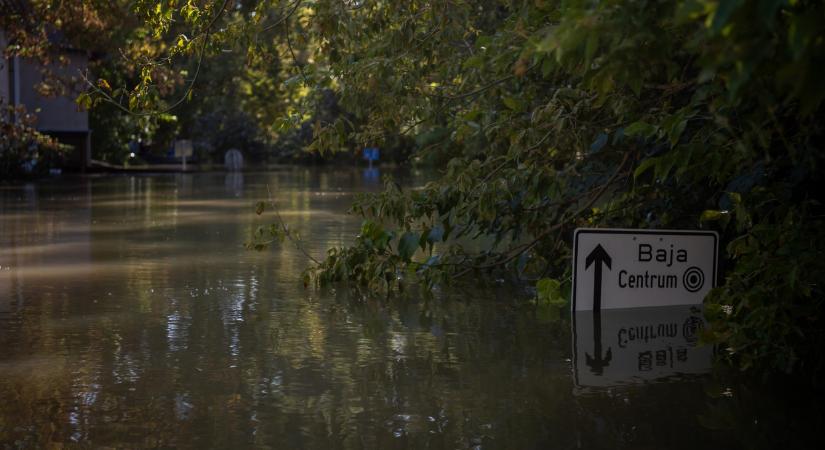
(103, 84)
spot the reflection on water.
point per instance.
(131, 316)
(625, 346)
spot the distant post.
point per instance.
(371, 154)
(233, 160)
(183, 149)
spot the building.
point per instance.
(57, 116)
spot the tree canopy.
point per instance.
(554, 115)
(545, 116)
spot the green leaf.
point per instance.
(723, 13)
(639, 128)
(521, 263)
(599, 143)
(676, 132)
(546, 286)
(590, 47)
(546, 67)
(513, 103)
(675, 124)
(474, 62)
(635, 84)
(293, 81)
(664, 164)
(548, 291)
(84, 100)
(436, 234)
(431, 261)
(644, 165)
(407, 245)
(710, 215)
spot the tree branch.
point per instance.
(518, 250)
(108, 98)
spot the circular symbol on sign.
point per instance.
(693, 279)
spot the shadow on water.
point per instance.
(132, 316)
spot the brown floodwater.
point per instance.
(132, 316)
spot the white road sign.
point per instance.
(618, 268)
(183, 148)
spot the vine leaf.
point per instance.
(407, 245)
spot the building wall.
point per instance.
(4, 71)
(58, 114)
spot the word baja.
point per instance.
(662, 255)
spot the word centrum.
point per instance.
(649, 280)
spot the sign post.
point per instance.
(618, 268)
(371, 154)
(183, 149)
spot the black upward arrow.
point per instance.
(598, 256)
(599, 362)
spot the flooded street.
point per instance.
(131, 315)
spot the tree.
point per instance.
(21, 144)
(562, 114)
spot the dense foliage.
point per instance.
(653, 114)
(23, 150)
(551, 115)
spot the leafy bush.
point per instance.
(644, 114)
(23, 150)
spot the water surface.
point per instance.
(132, 316)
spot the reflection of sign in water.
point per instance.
(233, 182)
(631, 268)
(625, 346)
(372, 175)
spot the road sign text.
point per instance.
(619, 268)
